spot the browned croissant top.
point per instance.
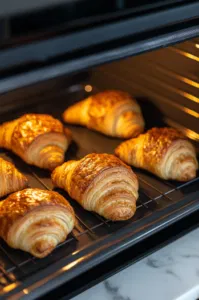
(31, 126)
(35, 221)
(101, 183)
(157, 142)
(11, 180)
(107, 100)
(91, 166)
(111, 112)
(20, 203)
(163, 151)
(38, 139)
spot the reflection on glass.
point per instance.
(88, 88)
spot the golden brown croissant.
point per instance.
(35, 221)
(101, 183)
(113, 113)
(162, 151)
(11, 180)
(39, 140)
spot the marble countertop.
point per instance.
(169, 273)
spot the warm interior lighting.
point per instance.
(10, 287)
(197, 46)
(88, 88)
(190, 82)
(188, 132)
(191, 97)
(191, 112)
(72, 264)
(186, 54)
(191, 134)
(26, 291)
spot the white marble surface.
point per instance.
(168, 274)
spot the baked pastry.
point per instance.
(164, 152)
(11, 180)
(101, 183)
(113, 113)
(39, 140)
(35, 221)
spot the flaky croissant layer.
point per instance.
(35, 221)
(11, 180)
(162, 151)
(38, 139)
(101, 183)
(114, 113)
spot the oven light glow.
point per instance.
(190, 82)
(186, 54)
(88, 88)
(191, 134)
(197, 46)
(72, 264)
(190, 97)
(26, 291)
(10, 287)
(191, 112)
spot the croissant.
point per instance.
(39, 140)
(11, 180)
(113, 113)
(35, 221)
(100, 183)
(164, 152)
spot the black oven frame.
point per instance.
(161, 209)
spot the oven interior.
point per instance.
(165, 83)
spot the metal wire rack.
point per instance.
(155, 195)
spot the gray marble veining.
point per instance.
(171, 273)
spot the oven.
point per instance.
(55, 54)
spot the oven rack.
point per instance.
(94, 239)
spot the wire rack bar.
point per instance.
(82, 228)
